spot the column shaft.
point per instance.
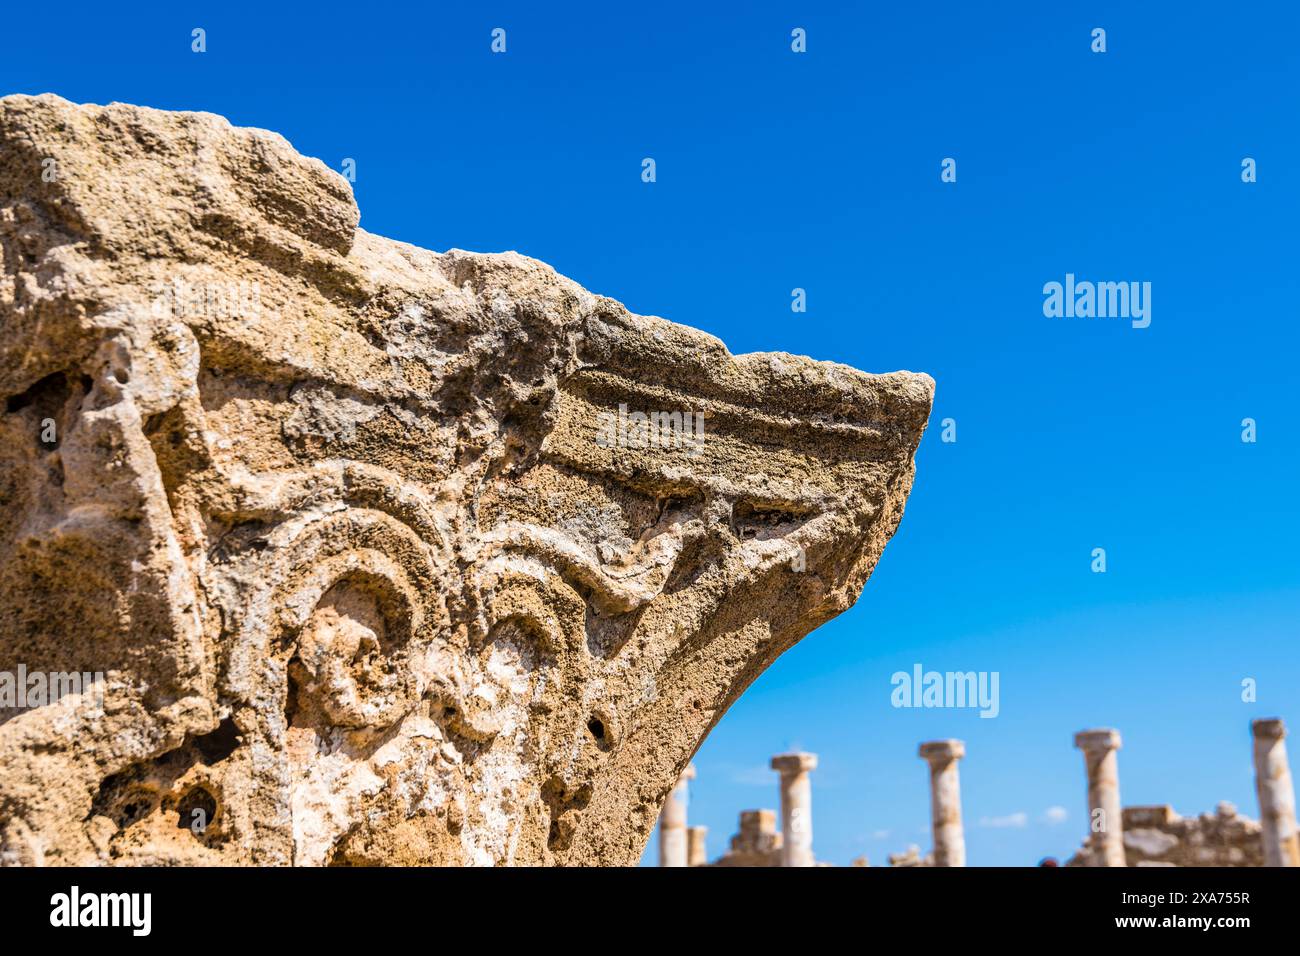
(796, 808)
(1105, 815)
(696, 850)
(1276, 792)
(672, 824)
(945, 801)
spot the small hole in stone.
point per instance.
(196, 810)
(220, 744)
(133, 811)
(121, 376)
(597, 728)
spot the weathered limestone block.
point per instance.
(757, 842)
(1148, 842)
(911, 857)
(1157, 836)
(376, 549)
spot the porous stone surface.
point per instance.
(375, 567)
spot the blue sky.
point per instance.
(821, 171)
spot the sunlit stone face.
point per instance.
(405, 558)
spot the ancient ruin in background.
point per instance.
(1131, 836)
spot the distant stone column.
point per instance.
(696, 852)
(945, 800)
(672, 823)
(796, 807)
(1276, 794)
(1107, 826)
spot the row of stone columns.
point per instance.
(1277, 809)
(680, 846)
(1273, 786)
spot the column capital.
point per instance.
(793, 763)
(1102, 739)
(942, 750)
(1270, 728)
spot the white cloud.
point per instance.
(754, 777)
(882, 834)
(1055, 815)
(1010, 821)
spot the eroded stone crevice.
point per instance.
(134, 811)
